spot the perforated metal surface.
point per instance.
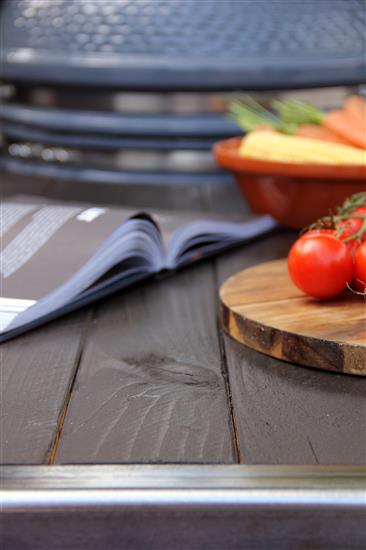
(185, 43)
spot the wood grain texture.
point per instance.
(262, 309)
(150, 387)
(287, 415)
(36, 373)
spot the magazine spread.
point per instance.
(58, 256)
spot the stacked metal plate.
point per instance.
(132, 92)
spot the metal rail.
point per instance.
(45, 487)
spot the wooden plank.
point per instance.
(262, 308)
(209, 197)
(150, 387)
(287, 415)
(37, 370)
(265, 249)
(23, 185)
(214, 197)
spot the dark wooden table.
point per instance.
(147, 377)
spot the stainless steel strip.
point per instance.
(193, 475)
(20, 501)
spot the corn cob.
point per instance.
(272, 146)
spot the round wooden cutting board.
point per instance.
(262, 309)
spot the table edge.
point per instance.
(52, 488)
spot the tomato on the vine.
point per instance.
(352, 246)
(343, 230)
(347, 228)
(318, 231)
(360, 268)
(360, 211)
(320, 265)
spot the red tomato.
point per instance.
(352, 246)
(348, 227)
(320, 265)
(360, 268)
(318, 231)
(361, 211)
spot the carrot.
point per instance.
(355, 107)
(313, 131)
(344, 125)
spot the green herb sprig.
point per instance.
(285, 116)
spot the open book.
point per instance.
(56, 257)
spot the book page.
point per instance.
(55, 253)
(171, 221)
(203, 238)
(189, 236)
(43, 245)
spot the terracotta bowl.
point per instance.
(294, 194)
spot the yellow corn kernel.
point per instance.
(272, 146)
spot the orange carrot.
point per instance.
(313, 131)
(344, 125)
(355, 106)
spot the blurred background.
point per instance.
(120, 101)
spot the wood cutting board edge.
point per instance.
(298, 349)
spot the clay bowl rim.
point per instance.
(226, 154)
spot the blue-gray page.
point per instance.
(43, 245)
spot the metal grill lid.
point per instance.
(184, 44)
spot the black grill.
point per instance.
(134, 91)
(188, 43)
